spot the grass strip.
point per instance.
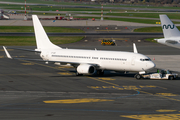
(47, 29)
(146, 15)
(44, 2)
(46, 8)
(86, 4)
(149, 29)
(30, 40)
(151, 40)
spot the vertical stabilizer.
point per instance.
(42, 39)
(134, 48)
(169, 29)
(7, 53)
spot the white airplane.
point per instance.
(170, 31)
(87, 61)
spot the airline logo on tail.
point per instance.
(168, 26)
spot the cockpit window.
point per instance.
(146, 59)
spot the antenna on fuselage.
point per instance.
(134, 48)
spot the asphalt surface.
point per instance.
(34, 90)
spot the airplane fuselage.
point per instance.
(173, 41)
(106, 60)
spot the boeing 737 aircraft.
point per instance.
(87, 61)
(170, 31)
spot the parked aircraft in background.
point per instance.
(87, 61)
(170, 31)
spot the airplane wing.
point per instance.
(48, 61)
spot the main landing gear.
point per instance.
(77, 74)
(100, 72)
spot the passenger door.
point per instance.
(133, 60)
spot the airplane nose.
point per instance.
(151, 65)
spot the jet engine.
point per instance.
(86, 69)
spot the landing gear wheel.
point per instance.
(171, 77)
(138, 76)
(77, 74)
(100, 72)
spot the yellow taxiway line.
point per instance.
(154, 117)
(83, 100)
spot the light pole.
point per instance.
(25, 16)
(101, 11)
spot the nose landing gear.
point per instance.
(138, 76)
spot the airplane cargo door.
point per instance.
(133, 60)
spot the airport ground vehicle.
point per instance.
(107, 42)
(161, 74)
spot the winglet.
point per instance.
(134, 48)
(7, 53)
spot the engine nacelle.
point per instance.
(86, 69)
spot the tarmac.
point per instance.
(18, 20)
(35, 90)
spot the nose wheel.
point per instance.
(138, 76)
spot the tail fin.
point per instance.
(7, 53)
(134, 48)
(42, 40)
(169, 29)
